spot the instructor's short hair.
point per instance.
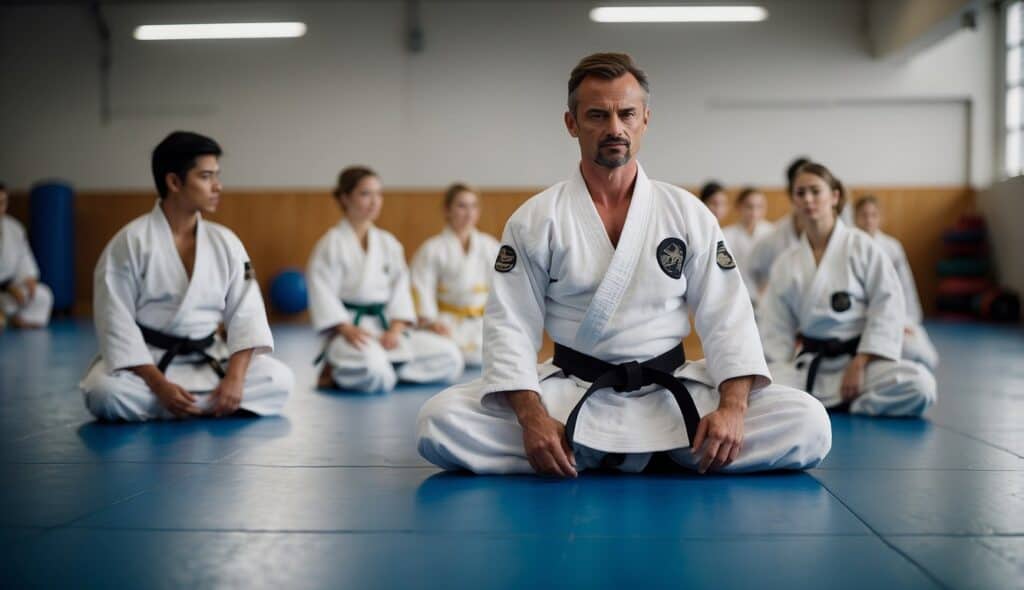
(607, 66)
(177, 154)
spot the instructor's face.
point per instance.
(610, 120)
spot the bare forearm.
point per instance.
(239, 364)
(526, 404)
(149, 373)
(735, 393)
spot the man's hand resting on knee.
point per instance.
(720, 434)
(172, 396)
(544, 440)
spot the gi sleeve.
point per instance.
(26, 265)
(776, 320)
(115, 293)
(400, 307)
(324, 277)
(723, 315)
(424, 282)
(910, 296)
(245, 316)
(514, 317)
(886, 312)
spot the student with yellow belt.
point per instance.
(450, 274)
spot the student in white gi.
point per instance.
(24, 301)
(832, 319)
(450, 273)
(742, 235)
(917, 346)
(610, 262)
(162, 286)
(714, 197)
(361, 302)
(785, 232)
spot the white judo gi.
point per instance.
(768, 248)
(558, 271)
(917, 346)
(140, 280)
(17, 264)
(853, 292)
(341, 276)
(451, 286)
(741, 245)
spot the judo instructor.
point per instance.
(610, 263)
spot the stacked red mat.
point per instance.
(966, 288)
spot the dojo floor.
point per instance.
(334, 495)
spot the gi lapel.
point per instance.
(200, 278)
(834, 257)
(623, 263)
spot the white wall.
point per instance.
(484, 101)
(1003, 208)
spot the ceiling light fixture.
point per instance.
(220, 31)
(678, 14)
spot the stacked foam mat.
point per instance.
(966, 287)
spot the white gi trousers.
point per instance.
(890, 388)
(783, 429)
(36, 311)
(124, 396)
(421, 357)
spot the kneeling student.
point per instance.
(360, 299)
(24, 301)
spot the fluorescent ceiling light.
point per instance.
(678, 14)
(220, 31)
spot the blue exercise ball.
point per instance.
(288, 291)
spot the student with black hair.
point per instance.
(24, 301)
(713, 195)
(161, 288)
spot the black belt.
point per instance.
(824, 349)
(629, 376)
(175, 345)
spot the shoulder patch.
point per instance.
(841, 301)
(671, 255)
(723, 258)
(506, 259)
(249, 272)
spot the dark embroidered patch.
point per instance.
(841, 301)
(671, 256)
(723, 258)
(506, 259)
(249, 272)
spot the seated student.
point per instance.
(832, 319)
(360, 300)
(24, 301)
(161, 288)
(785, 232)
(713, 195)
(742, 236)
(450, 274)
(917, 346)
